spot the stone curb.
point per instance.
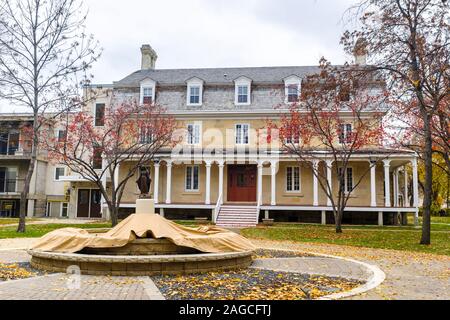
(377, 278)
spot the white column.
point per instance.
(221, 171)
(267, 215)
(169, 183)
(316, 182)
(324, 218)
(274, 165)
(156, 183)
(208, 183)
(104, 206)
(260, 176)
(330, 180)
(406, 195)
(387, 182)
(395, 179)
(380, 219)
(161, 212)
(373, 184)
(416, 190)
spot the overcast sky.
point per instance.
(214, 33)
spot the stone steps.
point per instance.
(238, 217)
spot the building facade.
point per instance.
(48, 196)
(222, 170)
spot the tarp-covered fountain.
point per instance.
(144, 244)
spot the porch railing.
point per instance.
(218, 207)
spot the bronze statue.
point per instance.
(144, 182)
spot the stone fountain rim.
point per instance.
(76, 257)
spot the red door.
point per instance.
(242, 183)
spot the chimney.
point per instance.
(149, 57)
(360, 51)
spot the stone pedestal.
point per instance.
(145, 206)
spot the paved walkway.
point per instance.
(70, 287)
(316, 266)
(409, 275)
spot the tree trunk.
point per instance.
(26, 187)
(338, 217)
(428, 184)
(114, 212)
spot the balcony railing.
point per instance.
(13, 152)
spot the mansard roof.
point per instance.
(217, 76)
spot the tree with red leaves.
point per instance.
(131, 133)
(338, 116)
(409, 42)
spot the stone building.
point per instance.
(221, 171)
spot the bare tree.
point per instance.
(43, 50)
(331, 122)
(129, 133)
(409, 40)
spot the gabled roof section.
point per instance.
(219, 76)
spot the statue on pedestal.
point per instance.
(144, 182)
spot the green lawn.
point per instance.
(37, 231)
(371, 237)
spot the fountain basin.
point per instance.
(140, 265)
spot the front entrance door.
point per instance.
(89, 204)
(242, 183)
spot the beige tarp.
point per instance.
(206, 239)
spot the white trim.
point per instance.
(147, 84)
(242, 137)
(192, 83)
(292, 81)
(293, 182)
(192, 179)
(200, 132)
(242, 82)
(346, 180)
(54, 174)
(61, 209)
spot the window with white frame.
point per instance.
(345, 133)
(293, 179)
(192, 178)
(242, 94)
(242, 134)
(292, 89)
(243, 87)
(147, 91)
(59, 172)
(347, 179)
(193, 134)
(64, 209)
(194, 92)
(146, 135)
(194, 95)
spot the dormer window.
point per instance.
(292, 89)
(147, 91)
(194, 92)
(243, 87)
(148, 96)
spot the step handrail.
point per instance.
(217, 209)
